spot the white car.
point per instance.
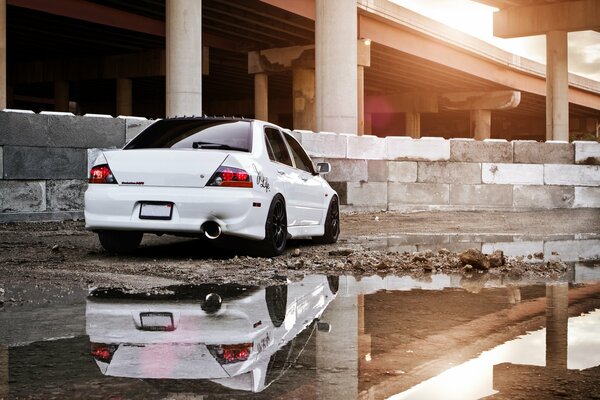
(236, 336)
(211, 177)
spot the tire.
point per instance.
(276, 298)
(332, 224)
(334, 283)
(120, 242)
(275, 229)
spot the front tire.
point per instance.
(275, 229)
(120, 242)
(332, 224)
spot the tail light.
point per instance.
(230, 177)
(101, 174)
(230, 353)
(103, 352)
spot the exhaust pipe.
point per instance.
(211, 230)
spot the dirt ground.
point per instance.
(64, 253)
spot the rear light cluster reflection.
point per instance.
(230, 353)
(101, 174)
(103, 352)
(230, 177)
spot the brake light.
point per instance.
(231, 353)
(103, 352)
(101, 174)
(230, 177)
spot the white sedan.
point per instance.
(211, 177)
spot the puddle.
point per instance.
(568, 248)
(442, 336)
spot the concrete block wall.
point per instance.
(405, 174)
(45, 159)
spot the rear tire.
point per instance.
(332, 224)
(275, 229)
(120, 242)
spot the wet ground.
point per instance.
(390, 311)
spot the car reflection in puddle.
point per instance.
(233, 335)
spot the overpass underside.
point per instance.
(415, 78)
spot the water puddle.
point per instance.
(438, 337)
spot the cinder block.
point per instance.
(424, 149)
(65, 195)
(24, 129)
(515, 249)
(449, 172)
(44, 163)
(87, 131)
(587, 152)
(378, 170)
(343, 170)
(402, 171)
(481, 195)
(324, 144)
(532, 152)
(469, 150)
(366, 147)
(22, 196)
(342, 190)
(573, 250)
(367, 194)
(587, 197)
(135, 125)
(530, 196)
(418, 193)
(576, 175)
(512, 174)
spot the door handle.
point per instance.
(280, 172)
(304, 179)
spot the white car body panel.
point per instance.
(180, 176)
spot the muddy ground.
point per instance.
(65, 254)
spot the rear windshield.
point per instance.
(200, 134)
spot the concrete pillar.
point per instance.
(557, 318)
(481, 124)
(303, 84)
(337, 351)
(183, 57)
(124, 96)
(557, 86)
(369, 123)
(261, 96)
(413, 124)
(361, 99)
(335, 66)
(61, 96)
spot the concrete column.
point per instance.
(361, 99)
(183, 57)
(481, 124)
(61, 96)
(335, 65)
(303, 84)
(369, 123)
(557, 86)
(261, 96)
(413, 124)
(2, 54)
(124, 96)
(557, 318)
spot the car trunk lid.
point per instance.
(164, 167)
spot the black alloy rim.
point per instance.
(335, 217)
(279, 224)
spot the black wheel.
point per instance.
(120, 242)
(276, 298)
(275, 229)
(332, 224)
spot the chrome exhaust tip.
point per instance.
(211, 230)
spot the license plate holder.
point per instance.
(156, 210)
(156, 321)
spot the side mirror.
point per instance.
(323, 168)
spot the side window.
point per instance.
(301, 159)
(278, 151)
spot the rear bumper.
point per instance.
(117, 207)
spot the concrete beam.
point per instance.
(494, 100)
(404, 102)
(281, 59)
(532, 20)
